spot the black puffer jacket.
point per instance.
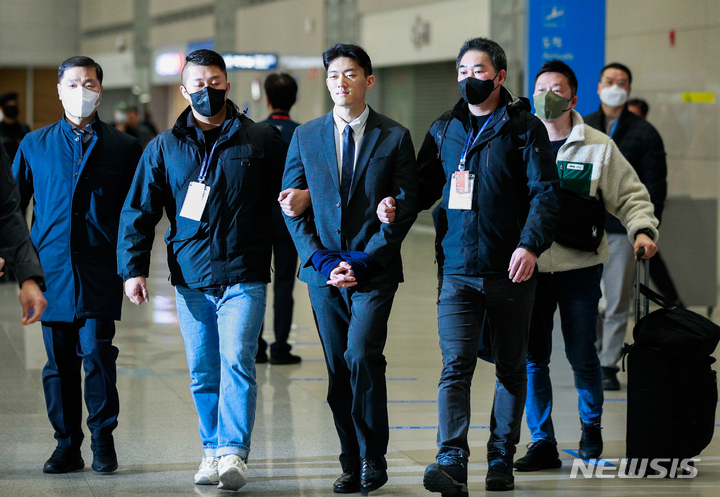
(515, 202)
(642, 146)
(231, 242)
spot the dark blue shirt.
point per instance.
(282, 121)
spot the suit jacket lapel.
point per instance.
(367, 145)
(328, 145)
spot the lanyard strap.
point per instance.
(206, 163)
(612, 131)
(470, 140)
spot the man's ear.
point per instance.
(501, 76)
(185, 94)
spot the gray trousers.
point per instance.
(618, 278)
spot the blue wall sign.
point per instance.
(574, 32)
(253, 62)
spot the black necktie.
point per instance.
(348, 159)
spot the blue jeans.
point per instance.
(577, 293)
(220, 327)
(86, 342)
(464, 302)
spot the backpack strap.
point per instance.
(441, 126)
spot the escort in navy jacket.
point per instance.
(78, 198)
(385, 167)
(231, 242)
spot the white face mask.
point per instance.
(80, 102)
(613, 96)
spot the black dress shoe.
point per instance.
(348, 483)
(282, 359)
(104, 457)
(64, 460)
(261, 357)
(610, 381)
(373, 475)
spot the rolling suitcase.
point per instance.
(671, 400)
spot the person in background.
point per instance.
(127, 121)
(12, 131)
(281, 93)
(78, 170)
(642, 146)
(216, 174)
(659, 272)
(639, 107)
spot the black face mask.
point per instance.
(208, 102)
(11, 111)
(475, 91)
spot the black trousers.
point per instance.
(286, 260)
(352, 323)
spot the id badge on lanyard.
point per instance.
(462, 184)
(198, 192)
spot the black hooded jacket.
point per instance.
(515, 202)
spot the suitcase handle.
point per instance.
(641, 263)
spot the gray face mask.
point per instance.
(549, 105)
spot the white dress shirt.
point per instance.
(358, 127)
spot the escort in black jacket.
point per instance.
(351, 159)
(500, 206)
(16, 247)
(642, 146)
(79, 171)
(216, 174)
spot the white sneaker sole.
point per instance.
(207, 479)
(232, 479)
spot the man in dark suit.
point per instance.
(350, 159)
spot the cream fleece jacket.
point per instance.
(624, 195)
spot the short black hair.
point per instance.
(494, 51)
(617, 65)
(560, 67)
(80, 61)
(8, 97)
(640, 104)
(281, 89)
(347, 50)
(204, 57)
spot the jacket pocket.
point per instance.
(183, 231)
(239, 162)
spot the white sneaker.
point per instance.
(232, 471)
(207, 472)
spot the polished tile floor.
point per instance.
(295, 448)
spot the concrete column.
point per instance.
(143, 54)
(343, 22)
(226, 24)
(30, 97)
(507, 28)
